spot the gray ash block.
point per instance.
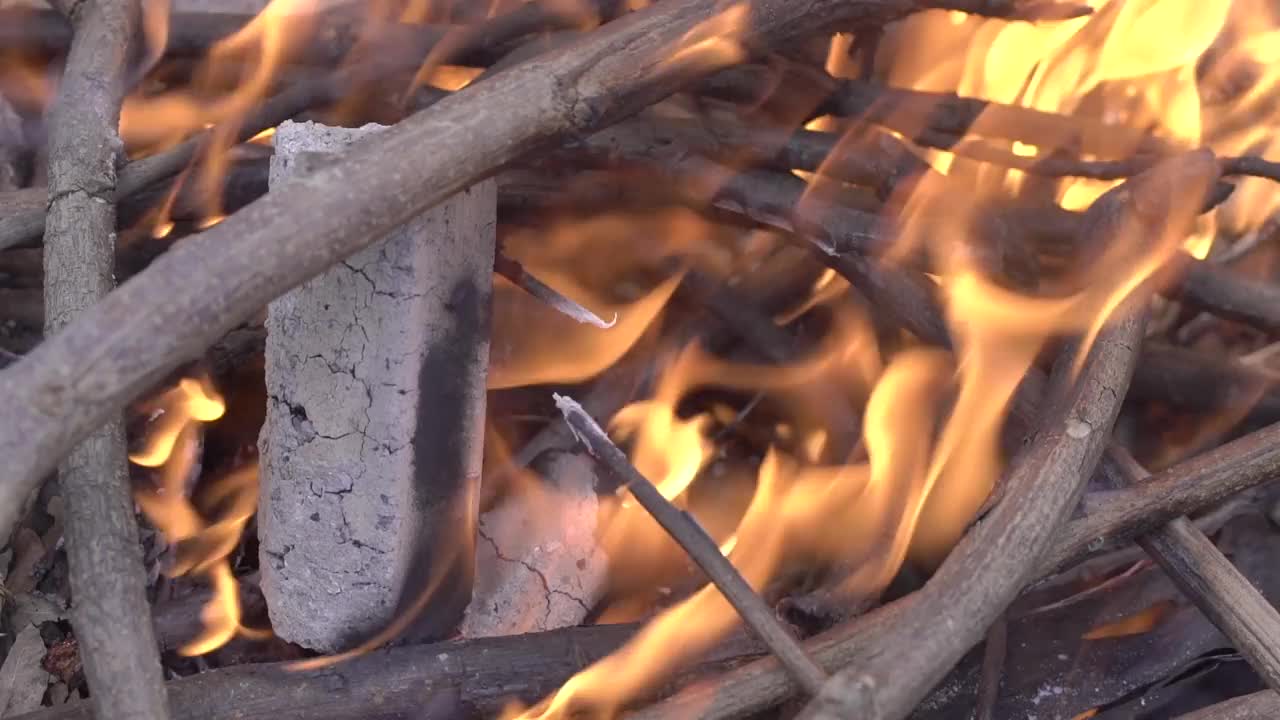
(371, 450)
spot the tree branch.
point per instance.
(477, 677)
(110, 613)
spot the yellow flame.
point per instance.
(202, 546)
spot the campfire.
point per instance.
(652, 359)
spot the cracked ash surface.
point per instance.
(343, 356)
(538, 566)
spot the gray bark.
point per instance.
(110, 612)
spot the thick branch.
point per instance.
(110, 613)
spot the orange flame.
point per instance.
(202, 547)
(1143, 621)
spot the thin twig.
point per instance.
(699, 545)
(110, 613)
(1203, 481)
(523, 279)
(1209, 579)
(947, 114)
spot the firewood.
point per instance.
(109, 612)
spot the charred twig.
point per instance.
(695, 541)
(177, 622)
(205, 286)
(1206, 576)
(20, 227)
(523, 279)
(1230, 295)
(112, 625)
(842, 238)
(1053, 165)
(833, 411)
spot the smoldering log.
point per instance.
(371, 449)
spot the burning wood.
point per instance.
(538, 564)
(862, 298)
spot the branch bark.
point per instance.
(110, 613)
(206, 285)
